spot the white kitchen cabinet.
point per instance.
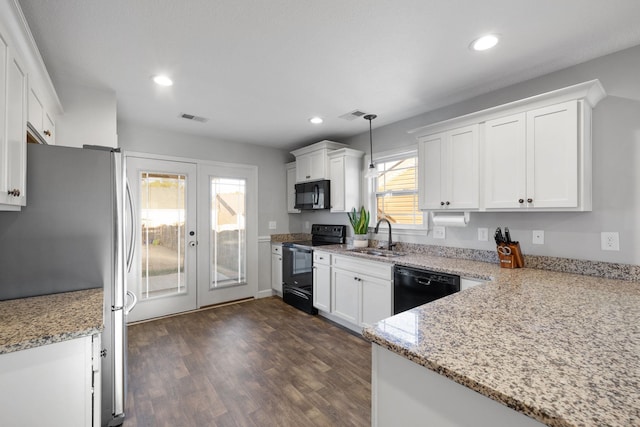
(552, 156)
(276, 268)
(448, 166)
(291, 188)
(312, 166)
(535, 155)
(13, 148)
(532, 160)
(505, 158)
(344, 173)
(345, 295)
(17, 52)
(52, 384)
(40, 119)
(376, 300)
(312, 161)
(322, 281)
(361, 291)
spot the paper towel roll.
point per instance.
(451, 220)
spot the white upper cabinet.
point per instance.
(529, 155)
(312, 161)
(533, 160)
(13, 147)
(448, 164)
(40, 119)
(344, 173)
(291, 188)
(505, 162)
(21, 72)
(552, 156)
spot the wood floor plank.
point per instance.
(258, 363)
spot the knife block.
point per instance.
(515, 259)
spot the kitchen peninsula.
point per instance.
(560, 348)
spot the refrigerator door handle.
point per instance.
(132, 237)
(134, 299)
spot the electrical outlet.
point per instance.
(438, 232)
(538, 237)
(272, 225)
(306, 225)
(610, 241)
(483, 234)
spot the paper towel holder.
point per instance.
(460, 219)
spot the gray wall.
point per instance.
(616, 165)
(270, 163)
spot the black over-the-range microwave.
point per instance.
(313, 195)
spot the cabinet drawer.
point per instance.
(321, 258)
(370, 268)
(276, 248)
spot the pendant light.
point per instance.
(372, 172)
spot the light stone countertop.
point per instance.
(35, 321)
(561, 348)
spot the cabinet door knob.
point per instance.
(15, 192)
(441, 203)
(520, 200)
(448, 203)
(47, 132)
(529, 200)
(308, 176)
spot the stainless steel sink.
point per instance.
(377, 252)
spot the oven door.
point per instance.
(297, 277)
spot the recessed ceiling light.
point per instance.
(484, 42)
(162, 80)
(316, 120)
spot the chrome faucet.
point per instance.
(391, 244)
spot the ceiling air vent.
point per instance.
(355, 114)
(194, 118)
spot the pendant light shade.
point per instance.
(372, 172)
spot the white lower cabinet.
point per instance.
(276, 268)
(361, 291)
(322, 281)
(52, 385)
(376, 300)
(345, 292)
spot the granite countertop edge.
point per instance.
(32, 322)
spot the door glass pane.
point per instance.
(162, 213)
(228, 232)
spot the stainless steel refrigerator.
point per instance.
(71, 236)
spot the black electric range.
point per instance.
(297, 265)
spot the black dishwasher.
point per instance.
(413, 287)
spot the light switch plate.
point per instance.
(483, 234)
(438, 232)
(538, 237)
(272, 225)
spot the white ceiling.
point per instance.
(259, 69)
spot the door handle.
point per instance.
(134, 299)
(134, 233)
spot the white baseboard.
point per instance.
(264, 294)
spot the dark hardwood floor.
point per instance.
(258, 363)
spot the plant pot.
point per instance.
(360, 240)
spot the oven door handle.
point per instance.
(296, 292)
(422, 281)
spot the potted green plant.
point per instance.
(360, 223)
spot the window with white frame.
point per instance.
(394, 190)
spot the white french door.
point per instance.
(227, 220)
(163, 271)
